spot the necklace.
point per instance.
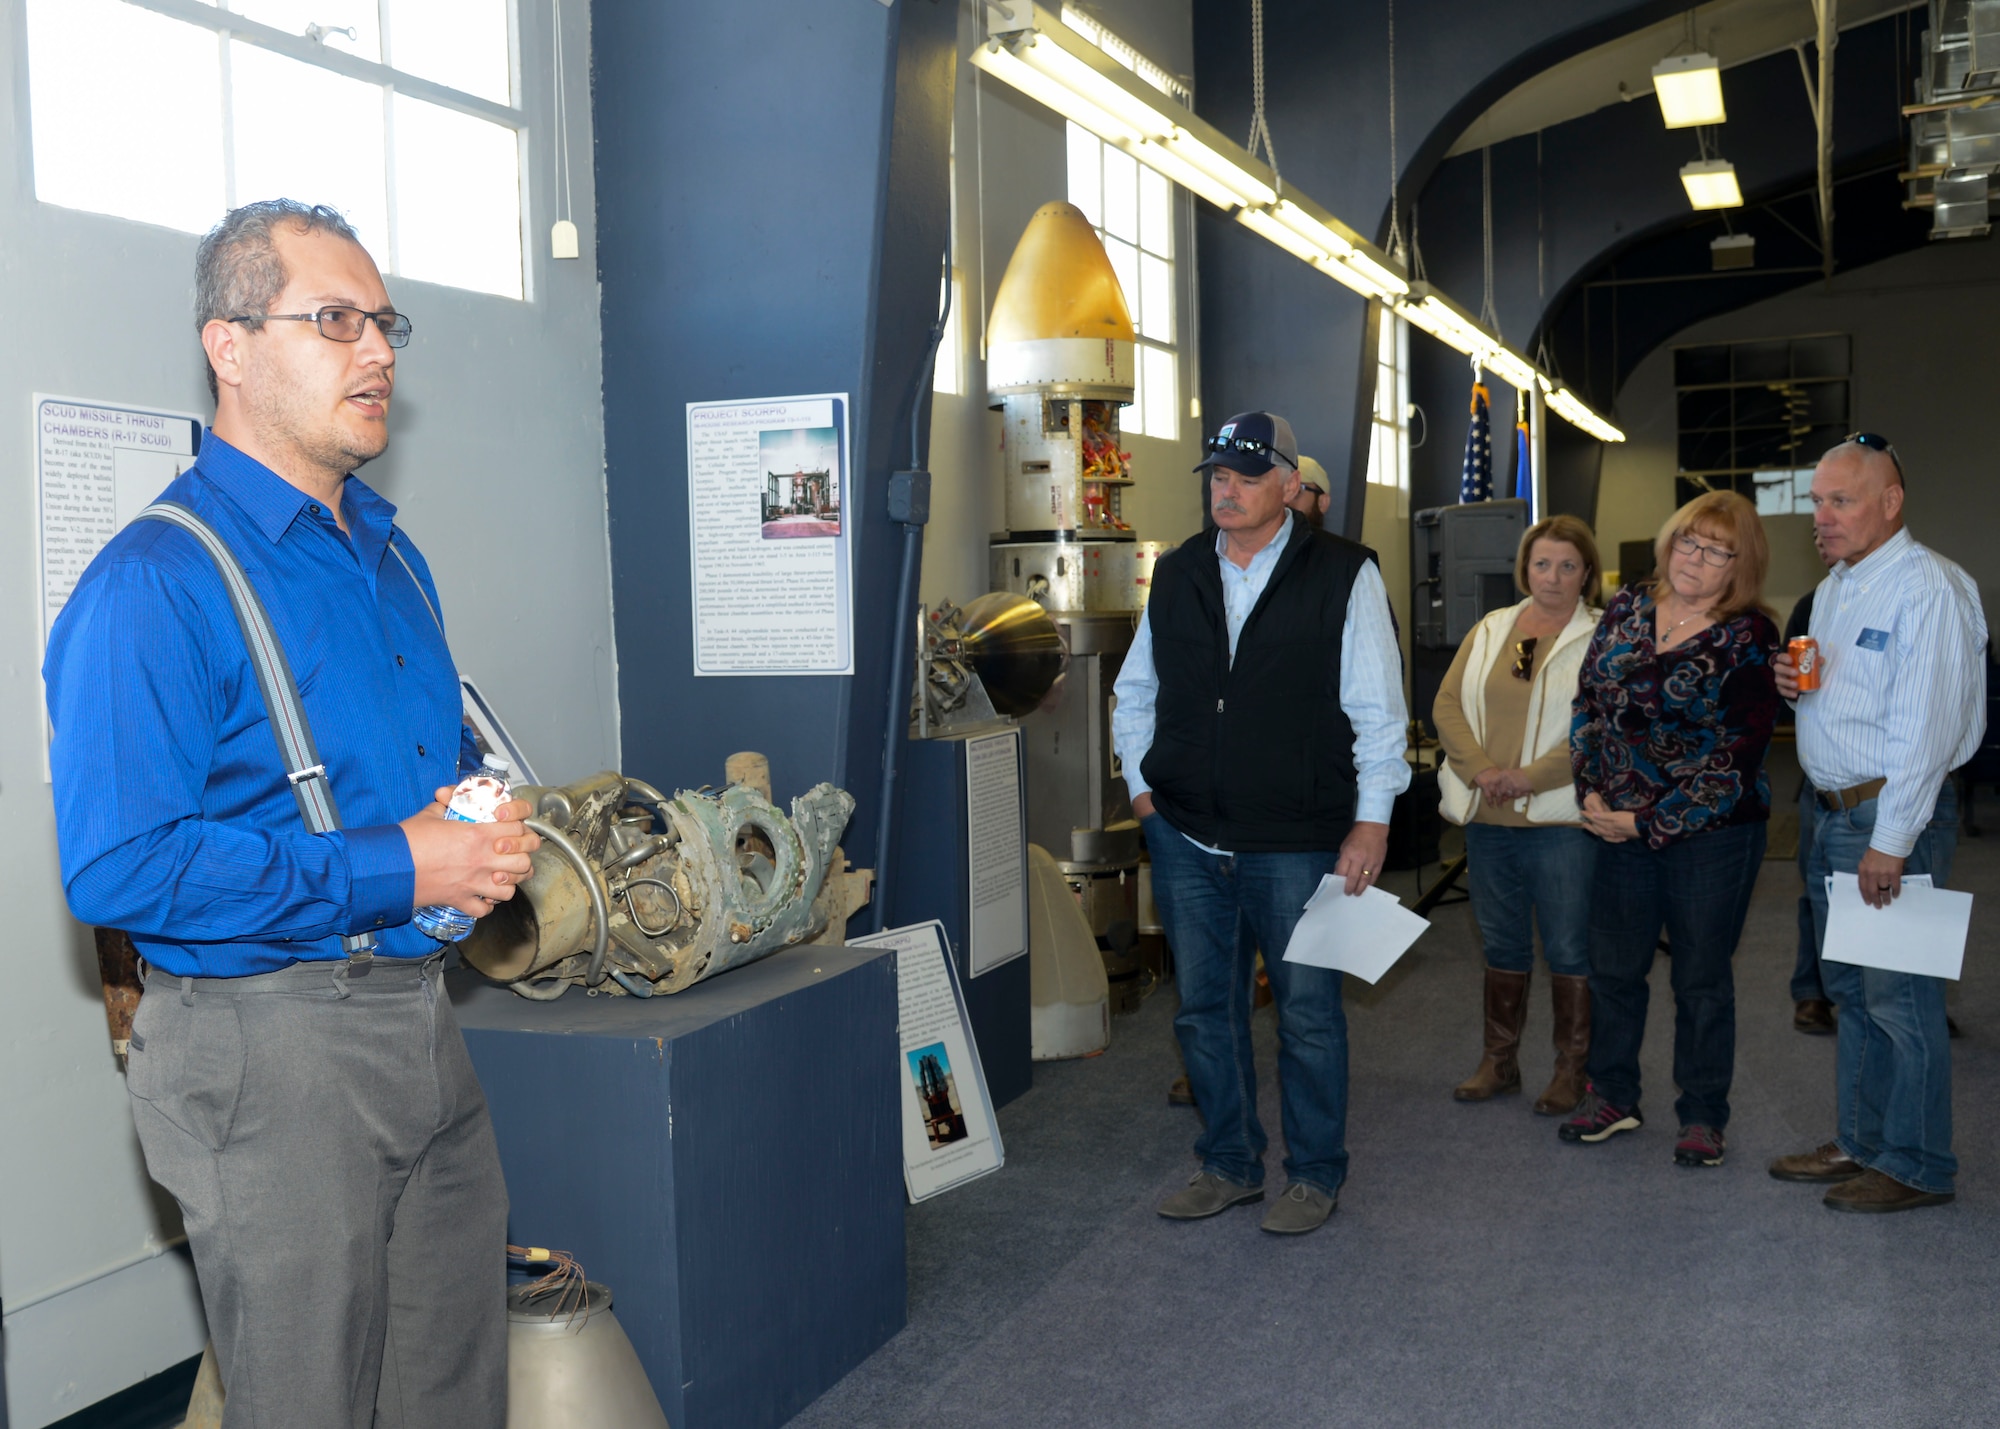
(1668, 633)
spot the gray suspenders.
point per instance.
(304, 770)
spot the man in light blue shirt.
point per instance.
(1901, 702)
(1260, 723)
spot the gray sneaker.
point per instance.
(1302, 1208)
(1207, 1194)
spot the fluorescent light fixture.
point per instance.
(1512, 368)
(1102, 39)
(1385, 281)
(1001, 62)
(1690, 90)
(1260, 222)
(1311, 229)
(1732, 250)
(1044, 53)
(1164, 161)
(1564, 404)
(1711, 183)
(1449, 326)
(1220, 167)
(1346, 272)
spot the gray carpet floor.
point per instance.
(1477, 1272)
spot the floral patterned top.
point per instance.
(1676, 736)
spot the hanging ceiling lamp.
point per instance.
(1690, 90)
(1711, 183)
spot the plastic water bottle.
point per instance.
(472, 802)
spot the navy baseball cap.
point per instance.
(1252, 443)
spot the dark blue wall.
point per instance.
(1275, 334)
(772, 200)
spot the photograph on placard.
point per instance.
(801, 482)
(937, 1090)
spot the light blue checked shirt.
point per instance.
(1371, 687)
(1902, 694)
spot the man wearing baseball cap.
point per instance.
(1260, 721)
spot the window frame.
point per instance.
(227, 26)
(1177, 317)
(1393, 333)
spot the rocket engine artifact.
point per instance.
(1060, 351)
(621, 909)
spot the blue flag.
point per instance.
(1524, 475)
(1475, 482)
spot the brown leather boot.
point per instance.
(1572, 1039)
(1506, 1010)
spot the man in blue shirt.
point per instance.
(1260, 724)
(1901, 702)
(316, 1117)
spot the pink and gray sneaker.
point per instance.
(1699, 1146)
(1596, 1119)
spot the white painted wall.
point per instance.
(1923, 326)
(499, 420)
(1010, 160)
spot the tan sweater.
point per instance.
(1506, 699)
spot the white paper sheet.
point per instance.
(1922, 931)
(1362, 935)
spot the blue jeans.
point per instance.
(1807, 986)
(1218, 911)
(1524, 877)
(1699, 889)
(1893, 1077)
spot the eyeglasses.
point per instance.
(1877, 444)
(1313, 486)
(340, 324)
(1247, 444)
(1524, 657)
(1713, 555)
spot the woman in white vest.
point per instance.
(1503, 718)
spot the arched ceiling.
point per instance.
(1620, 70)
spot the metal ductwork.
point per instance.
(1955, 121)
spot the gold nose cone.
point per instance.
(1059, 283)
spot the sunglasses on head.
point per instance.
(1250, 445)
(1877, 444)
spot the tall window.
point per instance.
(1132, 208)
(1754, 416)
(399, 113)
(1389, 433)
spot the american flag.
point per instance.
(1475, 482)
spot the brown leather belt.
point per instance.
(1839, 799)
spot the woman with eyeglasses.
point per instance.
(1673, 717)
(1503, 718)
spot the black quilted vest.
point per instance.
(1254, 756)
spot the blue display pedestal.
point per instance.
(728, 1160)
(932, 882)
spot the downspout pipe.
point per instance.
(909, 507)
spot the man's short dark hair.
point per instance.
(237, 269)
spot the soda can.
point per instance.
(1805, 659)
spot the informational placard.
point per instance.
(950, 1135)
(97, 465)
(996, 851)
(769, 536)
